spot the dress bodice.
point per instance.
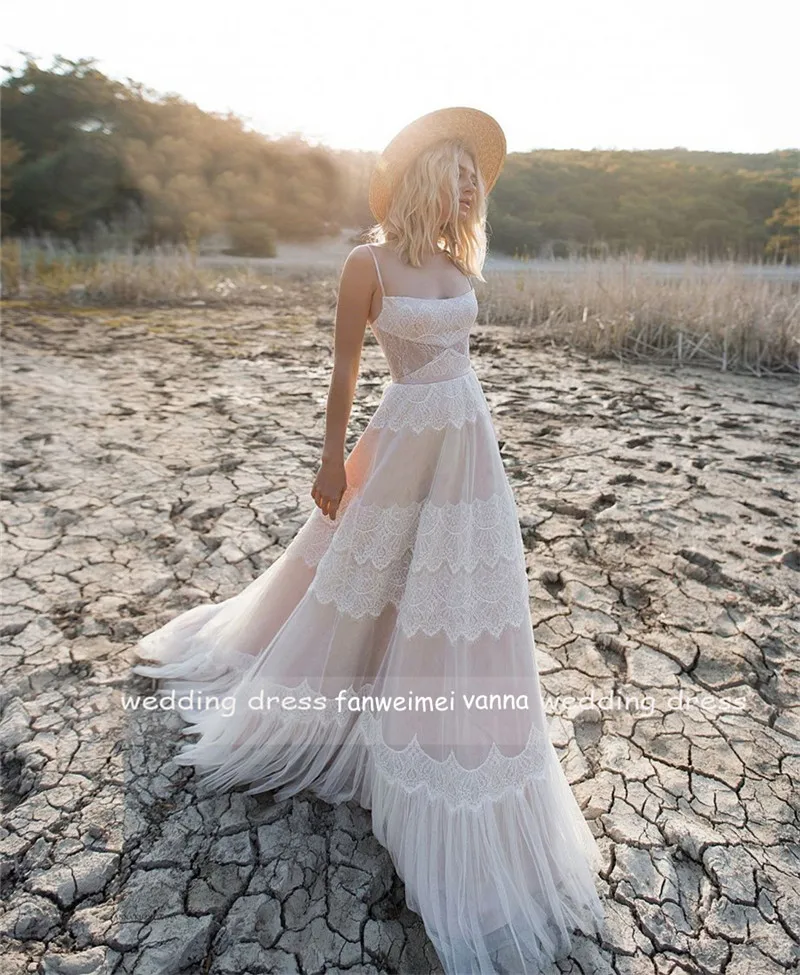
(425, 340)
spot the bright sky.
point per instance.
(704, 74)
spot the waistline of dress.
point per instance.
(434, 382)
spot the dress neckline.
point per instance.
(418, 298)
(386, 298)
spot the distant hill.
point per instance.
(103, 163)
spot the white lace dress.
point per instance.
(388, 657)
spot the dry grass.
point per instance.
(50, 272)
(715, 315)
(707, 314)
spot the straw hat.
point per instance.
(476, 128)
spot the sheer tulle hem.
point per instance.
(500, 882)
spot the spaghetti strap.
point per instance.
(377, 268)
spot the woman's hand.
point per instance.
(329, 486)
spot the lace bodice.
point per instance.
(425, 340)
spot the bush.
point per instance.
(252, 238)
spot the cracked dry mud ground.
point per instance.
(155, 459)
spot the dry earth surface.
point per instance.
(154, 459)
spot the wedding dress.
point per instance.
(388, 657)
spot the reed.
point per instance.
(737, 318)
(44, 270)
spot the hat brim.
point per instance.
(478, 129)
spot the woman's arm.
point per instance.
(356, 287)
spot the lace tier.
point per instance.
(460, 534)
(457, 567)
(413, 769)
(463, 605)
(431, 405)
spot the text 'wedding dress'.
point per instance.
(416, 595)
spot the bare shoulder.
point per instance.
(359, 257)
(363, 250)
(358, 282)
(358, 270)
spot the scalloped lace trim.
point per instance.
(412, 769)
(431, 405)
(416, 319)
(462, 534)
(457, 567)
(457, 532)
(313, 538)
(462, 604)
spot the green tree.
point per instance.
(784, 243)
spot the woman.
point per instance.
(387, 656)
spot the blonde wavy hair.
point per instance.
(413, 219)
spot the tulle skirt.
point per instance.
(388, 657)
